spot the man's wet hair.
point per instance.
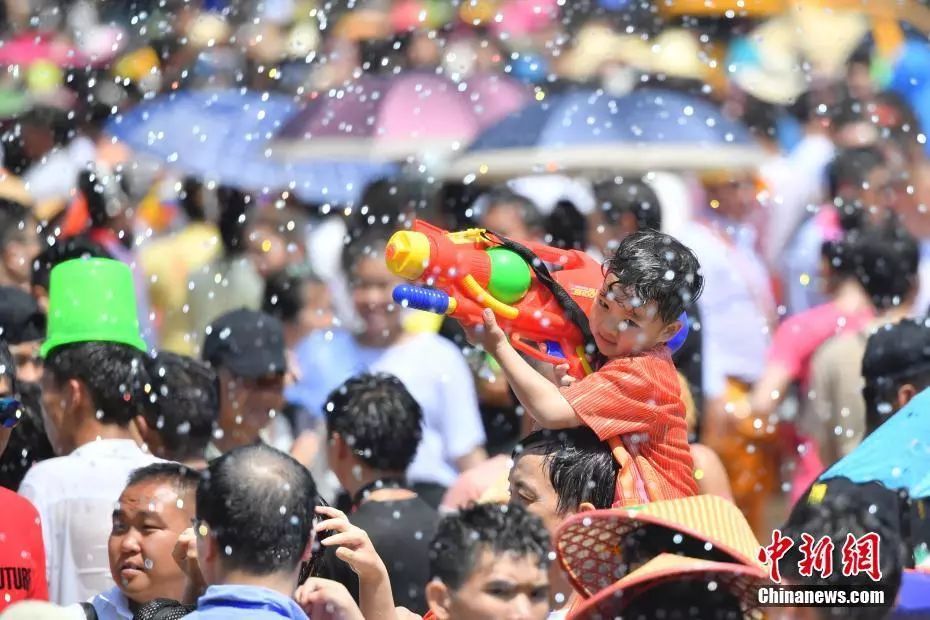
(378, 417)
(183, 404)
(259, 504)
(653, 266)
(581, 467)
(499, 528)
(183, 478)
(895, 355)
(114, 375)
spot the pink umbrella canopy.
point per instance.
(383, 118)
(494, 96)
(32, 46)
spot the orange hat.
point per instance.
(589, 543)
(739, 579)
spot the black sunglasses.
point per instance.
(11, 412)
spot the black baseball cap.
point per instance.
(21, 319)
(897, 350)
(248, 343)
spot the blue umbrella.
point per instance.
(578, 131)
(224, 136)
(897, 454)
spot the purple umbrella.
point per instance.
(494, 96)
(382, 118)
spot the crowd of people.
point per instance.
(212, 406)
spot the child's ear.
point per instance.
(668, 332)
(438, 599)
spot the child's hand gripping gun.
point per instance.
(543, 312)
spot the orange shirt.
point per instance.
(635, 404)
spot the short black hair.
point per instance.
(500, 196)
(851, 167)
(629, 195)
(61, 251)
(377, 416)
(581, 467)
(259, 503)
(883, 258)
(895, 354)
(835, 517)
(366, 245)
(183, 404)
(185, 479)
(284, 292)
(14, 217)
(657, 267)
(500, 528)
(114, 375)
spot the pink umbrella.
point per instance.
(382, 118)
(30, 47)
(493, 96)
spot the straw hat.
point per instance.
(590, 547)
(740, 580)
(597, 45)
(207, 30)
(677, 53)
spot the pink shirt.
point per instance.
(799, 336)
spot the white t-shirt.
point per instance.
(109, 605)
(432, 369)
(75, 496)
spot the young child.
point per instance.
(633, 400)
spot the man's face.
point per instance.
(506, 586)
(530, 487)
(19, 252)
(146, 524)
(372, 289)
(28, 361)
(268, 249)
(623, 325)
(247, 405)
(733, 198)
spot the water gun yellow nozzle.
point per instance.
(407, 254)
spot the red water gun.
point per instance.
(541, 295)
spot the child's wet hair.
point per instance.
(653, 266)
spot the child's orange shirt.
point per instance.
(635, 404)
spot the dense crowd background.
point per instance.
(237, 163)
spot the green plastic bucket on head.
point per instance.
(92, 300)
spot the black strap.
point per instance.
(89, 612)
(569, 306)
(388, 482)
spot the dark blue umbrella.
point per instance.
(581, 131)
(224, 136)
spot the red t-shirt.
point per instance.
(22, 553)
(635, 404)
